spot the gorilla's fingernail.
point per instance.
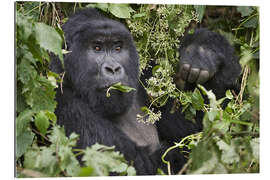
(184, 71)
(193, 75)
(203, 77)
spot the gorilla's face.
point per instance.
(102, 54)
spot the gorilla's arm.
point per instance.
(205, 58)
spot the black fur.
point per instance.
(84, 108)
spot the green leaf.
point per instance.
(51, 116)
(120, 10)
(24, 26)
(118, 86)
(229, 94)
(229, 154)
(212, 115)
(58, 136)
(251, 23)
(26, 72)
(211, 96)
(20, 100)
(68, 161)
(23, 141)
(245, 10)
(23, 121)
(42, 160)
(200, 11)
(197, 100)
(200, 154)
(41, 96)
(104, 159)
(48, 38)
(131, 171)
(42, 122)
(255, 146)
(86, 171)
(139, 15)
(102, 6)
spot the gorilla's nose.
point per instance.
(112, 70)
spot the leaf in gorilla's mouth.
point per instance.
(120, 87)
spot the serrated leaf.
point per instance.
(102, 6)
(251, 23)
(68, 161)
(24, 26)
(41, 96)
(42, 122)
(228, 152)
(23, 120)
(200, 9)
(23, 141)
(211, 96)
(120, 10)
(197, 100)
(131, 171)
(104, 159)
(139, 15)
(42, 160)
(58, 136)
(48, 38)
(26, 71)
(245, 10)
(20, 100)
(122, 167)
(200, 154)
(255, 146)
(212, 115)
(51, 116)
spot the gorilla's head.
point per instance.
(102, 54)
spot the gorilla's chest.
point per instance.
(142, 134)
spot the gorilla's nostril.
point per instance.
(109, 70)
(117, 69)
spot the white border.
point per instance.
(7, 86)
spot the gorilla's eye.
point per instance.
(97, 48)
(118, 48)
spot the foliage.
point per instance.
(42, 148)
(229, 142)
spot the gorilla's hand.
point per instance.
(197, 65)
(201, 57)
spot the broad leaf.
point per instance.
(23, 141)
(42, 122)
(120, 10)
(48, 38)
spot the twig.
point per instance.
(37, 132)
(61, 83)
(31, 173)
(185, 167)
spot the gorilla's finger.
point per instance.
(180, 83)
(184, 71)
(193, 75)
(203, 77)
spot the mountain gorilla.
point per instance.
(102, 52)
